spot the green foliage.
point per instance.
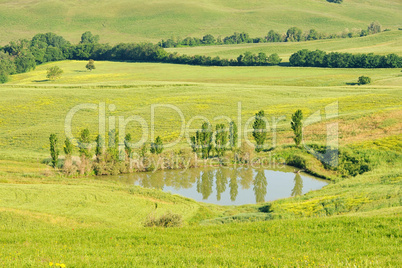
(144, 149)
(3, 77)
(54, 73)
(259, 132)
(297, 126)
(363, 80)
(157, 146)
(84, 143)
(100, 146)
(54, 152)
(128, 149)
(294, 34)
(273, 36)
(233, 135)
(68, 147)
(89, 38)
(113, 145)
(374, 27)
(320, 58)
(221, 139)
(167, 220)
(90, 65)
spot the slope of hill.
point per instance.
(124, 20)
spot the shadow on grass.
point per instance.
(352, 84)
(41, 81)
(80, 71)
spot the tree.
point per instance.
(335, 1)
(233, 135)
(259, 132)
(84, 143)
(274, 59)
(157, 146)
(88, 37)
(221, 139)
(297, 125)
(363, 80)
(127, 146)
(90, 65)
(274, 36)
(143, 149)
(54, 152)
(294, 34)
(374, 27)
(99, 146)
(68, 147)
(208, 39)
(54, 72)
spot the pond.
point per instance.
(227, 185)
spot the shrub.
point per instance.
(364, 80)
(167, 220)
(3, 77)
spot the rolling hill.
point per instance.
(132, 21)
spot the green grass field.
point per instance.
(50, 220)
(133, 21)
(33, 107)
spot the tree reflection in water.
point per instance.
(260, 186)
(298, 188)
(233, 185)
(205, 182)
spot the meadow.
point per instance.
(48, 219)
(40, 106)
(128, 21)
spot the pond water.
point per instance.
(227, 185)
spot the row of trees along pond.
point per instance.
(206, 143)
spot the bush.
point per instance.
(363, 80)
(3, 77)
(167, 220)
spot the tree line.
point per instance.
(23, 55)
(293, 34)
(318, 58)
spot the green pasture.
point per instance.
(132, 21)
(32, 107)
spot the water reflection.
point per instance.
(227, 186)
(298, 188)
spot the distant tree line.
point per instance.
(23, 55)
(318, 58)
(293, 34)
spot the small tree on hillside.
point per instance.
(363, 80)
(297, 125)
(157, 146)
(221, 139)
(127, 146)
(54, 73)
(259, 132)
(90, 65)
(233, 135)
(54, 152)
(84, 143)
(68, 148)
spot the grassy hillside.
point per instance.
(382, 43)
(124, 20)
(81, 222)
(33, 107)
